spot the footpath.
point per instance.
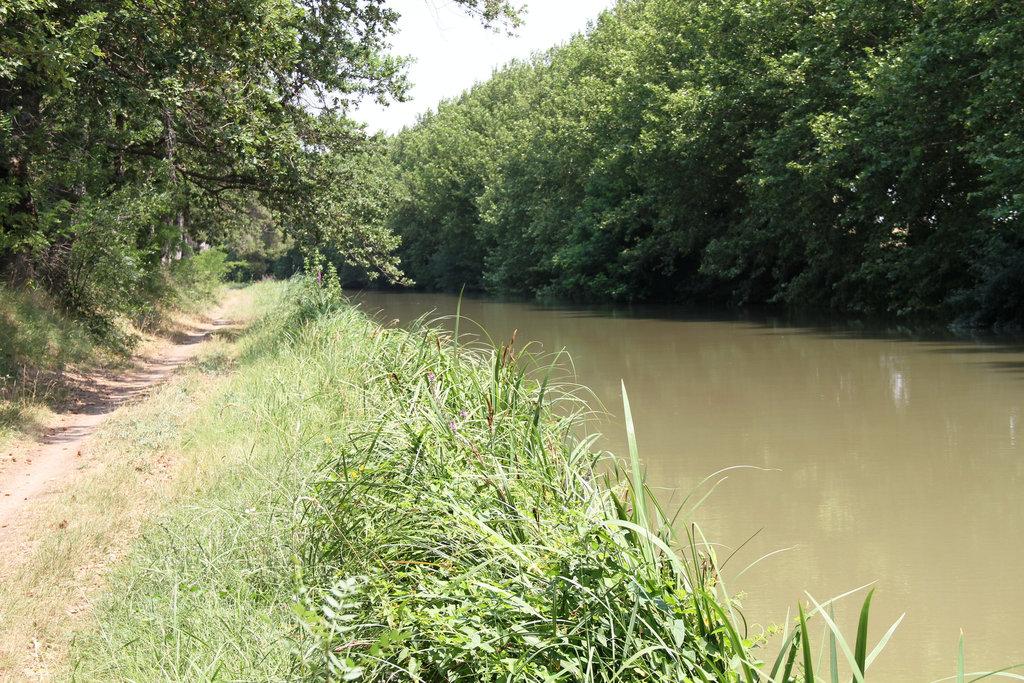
(36, 474)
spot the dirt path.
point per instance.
(32, 472)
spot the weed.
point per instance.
(388, 504)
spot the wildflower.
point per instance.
(431, 376)
(463, 413)
(454, 427)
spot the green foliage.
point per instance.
(347, 214)
(846, 155)
(320, 285)
(131, 131)
(196, 279)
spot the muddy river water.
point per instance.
(877, 458)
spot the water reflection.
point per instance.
(882, 458)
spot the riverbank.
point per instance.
(379, 502)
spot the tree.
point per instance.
(168, 104)
(826, 153)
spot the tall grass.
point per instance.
(37, 345)
(34, 336)
(205, 592)
(464, 533)
(394, 505)
(40, 342)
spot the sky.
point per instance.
(453, 50)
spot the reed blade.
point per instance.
(639, 489)
(861, 649)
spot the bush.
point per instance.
(195, 279)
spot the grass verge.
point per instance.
(136, 465)
(380, 504)
(44, 350)
(37, 344)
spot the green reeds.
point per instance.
(463, 533)
(431, 513)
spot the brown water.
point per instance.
(882, 459)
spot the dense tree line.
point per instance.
(132, 130)
(859, 156)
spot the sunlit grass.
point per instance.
(37, 345)
(129, 471)
(43, 349)
(386, 504)
(135, 466)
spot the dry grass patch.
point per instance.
(133, 468)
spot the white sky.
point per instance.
(453, 50)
